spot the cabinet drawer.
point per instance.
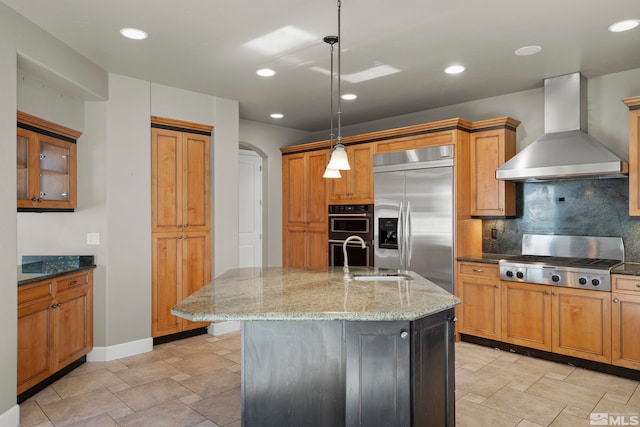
(74, 281)
(626, 283)
(478, 269)
(34, 292)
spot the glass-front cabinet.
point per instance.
(46, 165)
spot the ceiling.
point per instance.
(203, 46)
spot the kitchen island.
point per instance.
(322, 350)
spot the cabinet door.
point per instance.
(57, 172)
(378, 369)
(35, 341)
(293, 190)
(195, 192)
(317, 247)
(634, 155)
(356, 184)
(625, 345)
(74, 319)
(480, 308)
(582, 324)
(166, 180)
(526, 315)
(26, 145)
(489, 150)
(294, 247)
(316, 209)
(196, 271)
(166, 279)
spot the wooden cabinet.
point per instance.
(574, 322)
(478, 286)
(55, 326)
(45, 165)
(181, 218)
(489, 150)
(625, 316)
(356, 184)
(180, 180)
(181, 266)
(634, 155)
(304, 209)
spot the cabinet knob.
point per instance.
(637, 285)
(547, 292)
(454, 319)
(496, 286)
(616, 300)
(180, 237)
(555, 293)
(56, 305)
(186, 225)
(73, 283)
(404, 335)
(186, 237)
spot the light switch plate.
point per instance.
(93, 238)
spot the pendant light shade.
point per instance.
(331, 173)
(339, 159)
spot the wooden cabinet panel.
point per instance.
(46, 165)
(634, 155)
(304, 204)
(489, 150)
(55, 326)
(181, 219)
(526, 315)
(478, 287)
(356, 184)
(582, 324)
(625, 316)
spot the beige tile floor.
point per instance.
(196, 382)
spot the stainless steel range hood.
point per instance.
(565, 151)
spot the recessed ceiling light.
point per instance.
(277, 115)
(133, 33)
(454, 69)
(349, 96)
(528, 50)
(265, 72)
(626, 25)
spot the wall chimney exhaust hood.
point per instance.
(565, 151)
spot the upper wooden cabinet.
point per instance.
(634, 155)
(46, 165)
(304, 209)
(492, 143)
(356, 184)
(180, 176)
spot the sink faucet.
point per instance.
(345, 269)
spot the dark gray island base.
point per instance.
(321, 351)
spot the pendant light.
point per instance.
(339, 159)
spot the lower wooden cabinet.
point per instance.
(180, 267)
(55, 326)
(573, 322)
(625, 314)
(479, 289)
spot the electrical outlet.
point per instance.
(494, 233)
(93, 238)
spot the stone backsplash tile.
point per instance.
(585, 207)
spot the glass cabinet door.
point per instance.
(22, 165)
(54, 171)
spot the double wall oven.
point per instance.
(350, 220)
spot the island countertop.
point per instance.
(313, 294)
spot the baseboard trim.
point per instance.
(10, 417)
(222, 328)
(118, 351)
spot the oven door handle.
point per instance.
(341, 242)
(350, 215)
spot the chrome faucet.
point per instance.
(345, 269)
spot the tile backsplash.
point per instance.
(584, 207)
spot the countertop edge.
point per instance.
(50, 276)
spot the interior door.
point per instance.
(389, 198)
(250, 209)
(429, 212)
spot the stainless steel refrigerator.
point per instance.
(414, 211)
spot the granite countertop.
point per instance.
(486, 258)
(629, 268)
(42, 267)
(312, 294)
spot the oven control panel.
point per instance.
(592, 279)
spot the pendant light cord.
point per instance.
(339, 141)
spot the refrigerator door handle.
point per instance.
(400, 236)
(408, 234)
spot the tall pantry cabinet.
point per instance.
(180, 218)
